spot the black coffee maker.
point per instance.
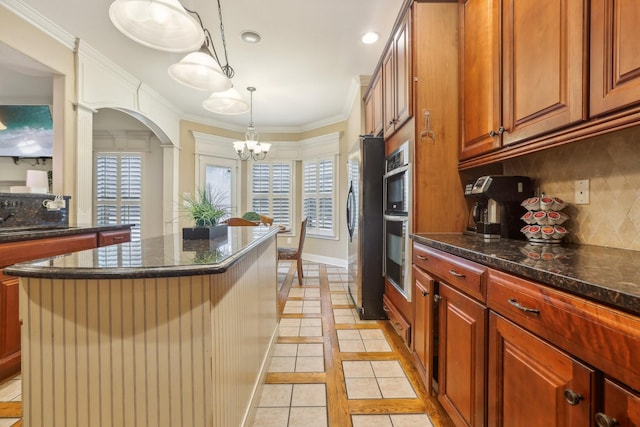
(497, 209)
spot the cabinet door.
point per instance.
(377, 118)
(544, 61)
(423, 287)
(532, 383)
(461, 357)
(10, 333)
(615, 55)
(388, 92)
(479, 77)
(402, 47)
(620, 407)
(368, 113)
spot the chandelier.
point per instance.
(168, 26)
(251, 148)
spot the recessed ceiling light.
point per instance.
(370, 37)
(251, 37)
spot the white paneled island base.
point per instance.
(154, 351)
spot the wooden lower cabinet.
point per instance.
(532, 383)
(423, 323)
(620, 406)
(462, 357)
(10, 330)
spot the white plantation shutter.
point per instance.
(319, 196)
(119, 201)
(271, 191)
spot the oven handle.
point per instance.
(396, 218)
(396, 171)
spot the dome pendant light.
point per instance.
(158, 24)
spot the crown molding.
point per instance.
(39, 21)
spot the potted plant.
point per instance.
(207, 211)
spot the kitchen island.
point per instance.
(175, 333)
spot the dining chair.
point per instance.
(266, 220)
(295, 254)
(240, 221)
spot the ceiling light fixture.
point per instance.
(370, 37)
(158, 24)
(251, 148)
(251, 37)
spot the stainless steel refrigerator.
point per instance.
(364, 223)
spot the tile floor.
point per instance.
(328, 368)
(322, 341)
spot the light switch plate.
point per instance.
(582, 192)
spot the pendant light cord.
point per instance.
(226, 68)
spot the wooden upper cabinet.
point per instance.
(373, 107)
(480, 86)
(396, 78)
(544, 63)
(538, 86)
(615, 55)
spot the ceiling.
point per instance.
(303, 69)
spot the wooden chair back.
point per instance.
(240, 221)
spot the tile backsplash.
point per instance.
(611, 163)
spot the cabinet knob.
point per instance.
(424, 293)
(604, 420)
(422, 257)
(572, 397)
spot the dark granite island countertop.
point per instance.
(605, 275)
(163, 256)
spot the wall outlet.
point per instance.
(582, 192)
(289, 240)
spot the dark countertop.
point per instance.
(164, 256)
(17, 234)
(605, 275)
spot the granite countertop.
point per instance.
(163, 256)
(34, 232)
(605, 275)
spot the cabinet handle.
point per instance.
(436, 298)
(500, 131)
(456, 274)
(424, 293)
(422, 257)
(385, 308)
(519, 306)
(572, 397)
(604, 420)
(116, 238)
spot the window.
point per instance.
(118, 200)
(271, 191)
(319, 196)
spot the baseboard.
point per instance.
(338, 262)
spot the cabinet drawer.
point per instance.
(399, 323)
(605, 338)
(12, 253)
(106, 238)
(464, 275)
